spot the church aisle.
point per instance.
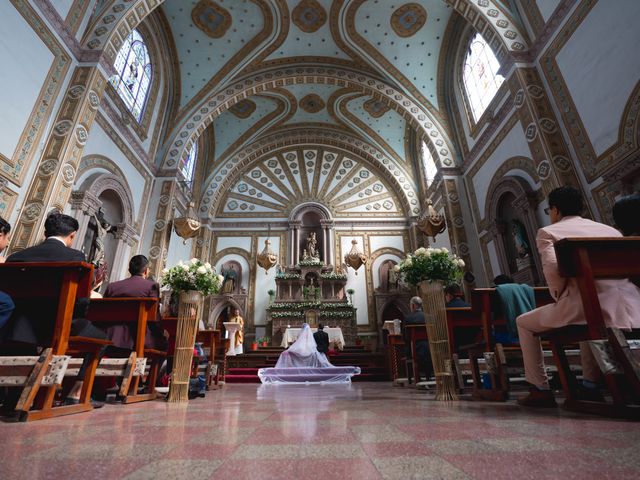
(359, 431)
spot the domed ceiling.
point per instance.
(365, 50)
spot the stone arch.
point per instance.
(191, 127)
(298, 212)
(219, 307)
(375, 159)
(99, 183)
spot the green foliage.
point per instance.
(431, 264)
(333, 276)
(194, 275)
(351, 291)
(288, 276)
(311, 262)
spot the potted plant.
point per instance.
(265, 342)
(350, 292)
(271, 293)
(430, 269)
(254, 346)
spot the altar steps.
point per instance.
(244, 368)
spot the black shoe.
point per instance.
(538, 398)
(590, 394)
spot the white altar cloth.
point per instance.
(335, 336)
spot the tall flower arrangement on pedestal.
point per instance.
(430, 269)
(192, 281)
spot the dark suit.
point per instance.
(322, 340)
(135, 286)
(422, 346)
(33, 324)
(457, 302)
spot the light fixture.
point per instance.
(355, 258)
(267, 257)
(188, 226)
(430, 222)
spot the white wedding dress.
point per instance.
(303, 363)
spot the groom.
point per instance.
(322, 339)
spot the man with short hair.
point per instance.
(626, 214)
(619, 298)
(322, 339)
(6, 304)
(423, 356)
(453, 297)
(137, 285)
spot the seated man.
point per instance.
(454, 297)
(6, 304)
(626, 214)
(416, 317)
(322, 339)
(619, 299)
(33, 324)
(137, 285)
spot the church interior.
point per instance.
(300, 150)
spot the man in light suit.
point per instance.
(137, 285)
(619, 299)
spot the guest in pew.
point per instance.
(6, 304)
(416, 317)
(515, 300)
(33, 324)
(137, 285)
(619, 299)
(454, 297)
(626, 214)
(502, 279)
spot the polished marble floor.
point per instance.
(361, 431)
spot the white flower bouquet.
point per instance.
(431, 264)
(193, 275)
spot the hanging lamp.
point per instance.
(355, 258)
(188, 226)
(267, 257)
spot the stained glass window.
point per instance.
(430, 169)
(481, 78)
(134, 73)
(187, 167)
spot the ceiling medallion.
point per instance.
(375, 108)
(309, 16)
(311, 103)
(211, 18)
(408, 19)
(243, 109)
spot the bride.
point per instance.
(303, 363)
(303, 353)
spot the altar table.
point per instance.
(335, 336)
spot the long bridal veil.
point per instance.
(303, 352)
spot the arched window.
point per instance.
(134, 73)
(187, 167)
(429, 165)
(481, 79)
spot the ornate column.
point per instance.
(86, 205)
(162, 228)
(327, 250)
(413, 235)
(51, 185)
(127, 237)
(525, 205)
(295, 225)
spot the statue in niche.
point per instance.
(520, 239)
(312, 246)
(230, 278)
(102, 228)
(305, 255)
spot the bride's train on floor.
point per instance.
(302, 363)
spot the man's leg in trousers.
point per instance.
(528, 325)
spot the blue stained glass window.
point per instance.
(187, 166)
(481, 78)
(430, 169)
(134, 73)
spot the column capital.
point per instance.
(85, 201)
(327, 223)
(126, 233)
(295, 224)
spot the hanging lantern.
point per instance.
(430, 222)
(355, 258)
(267, 257)
(188, 226)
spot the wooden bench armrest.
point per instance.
(155, 353)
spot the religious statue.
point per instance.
(312, 245)
(229, 283)
(520, 239)
(102, 228)
(305, 255)
(239, 340)
(392, 279)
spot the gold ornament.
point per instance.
(355, 258)
(267, 257)
(430, 222)
(188, 226)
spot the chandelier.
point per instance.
(267, 257)
(355, 258)
(188, 226)
(430, 222)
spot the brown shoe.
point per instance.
(538, 398)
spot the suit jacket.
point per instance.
(322, 341)
(422, 346)
(619, 299)
(135, 286)
(34, 323)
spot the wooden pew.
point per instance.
(59, 283)
(588, 259)
(137, 312)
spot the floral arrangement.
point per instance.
(325, 314)
(333, 276)
(303, 305)
(288, 276)
(431, 264)
(194, 275)
(310, 262)
(287, 315)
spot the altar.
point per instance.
(335, 336)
